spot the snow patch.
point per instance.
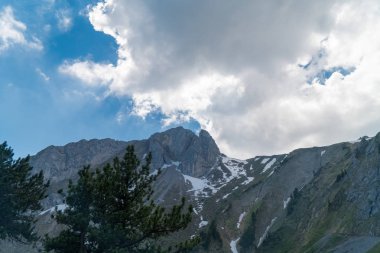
(236, 168)
(60, 207)
(248, 180)
(172, 163)
(232, 169)
(176, 163)
(283, 159)
(154, 173)
(198, 185)
(286, 202)
(233, 244)
(240, 219)
(323, 152)
(269, 165)
(203, 224)
(225, 196)
(262, 238)
(265, 160)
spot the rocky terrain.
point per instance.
(321, 199)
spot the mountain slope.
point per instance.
(339, 210)
(321, 199)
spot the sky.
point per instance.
(262, 77)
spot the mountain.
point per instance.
(320, 199)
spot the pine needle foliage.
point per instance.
(112, 210)
(20, 196)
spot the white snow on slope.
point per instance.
(262, 238)
(225, 196)
(248, 180)
(203, 187)
(233, 244)
(286, 202)
(172, 163)
(269, 165)
(60, 207)
(265, 160)
(240, 219)
(233, 166)
(323, 152)
(236, 168)
(202, 223)
(198, 185)
(176, 163)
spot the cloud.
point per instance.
(43, 74)
(64, 18)
(12, 32)
(88, 72)
(249, 71)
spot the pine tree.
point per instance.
(112, 210)
(76, 217)
(20, 195)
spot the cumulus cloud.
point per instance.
(43, 75)
(262, 76)
(65, 21)
(12, 32)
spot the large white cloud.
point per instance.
(235, 67)
(12, 32)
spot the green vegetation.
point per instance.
(20, 195)
(247, 240)
(211, 236)
(293, 201)
(111, 210)
(340, 176)
(375, 249)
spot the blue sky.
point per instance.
(263, 77)
(38, 112)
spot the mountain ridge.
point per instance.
(239, 205)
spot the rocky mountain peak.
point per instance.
(63, 162)
(195, 155)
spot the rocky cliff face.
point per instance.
(321, 199)
(59, 163)
(177, 148)
(195, 154)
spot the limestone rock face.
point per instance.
(60, 163)
(195, 154)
